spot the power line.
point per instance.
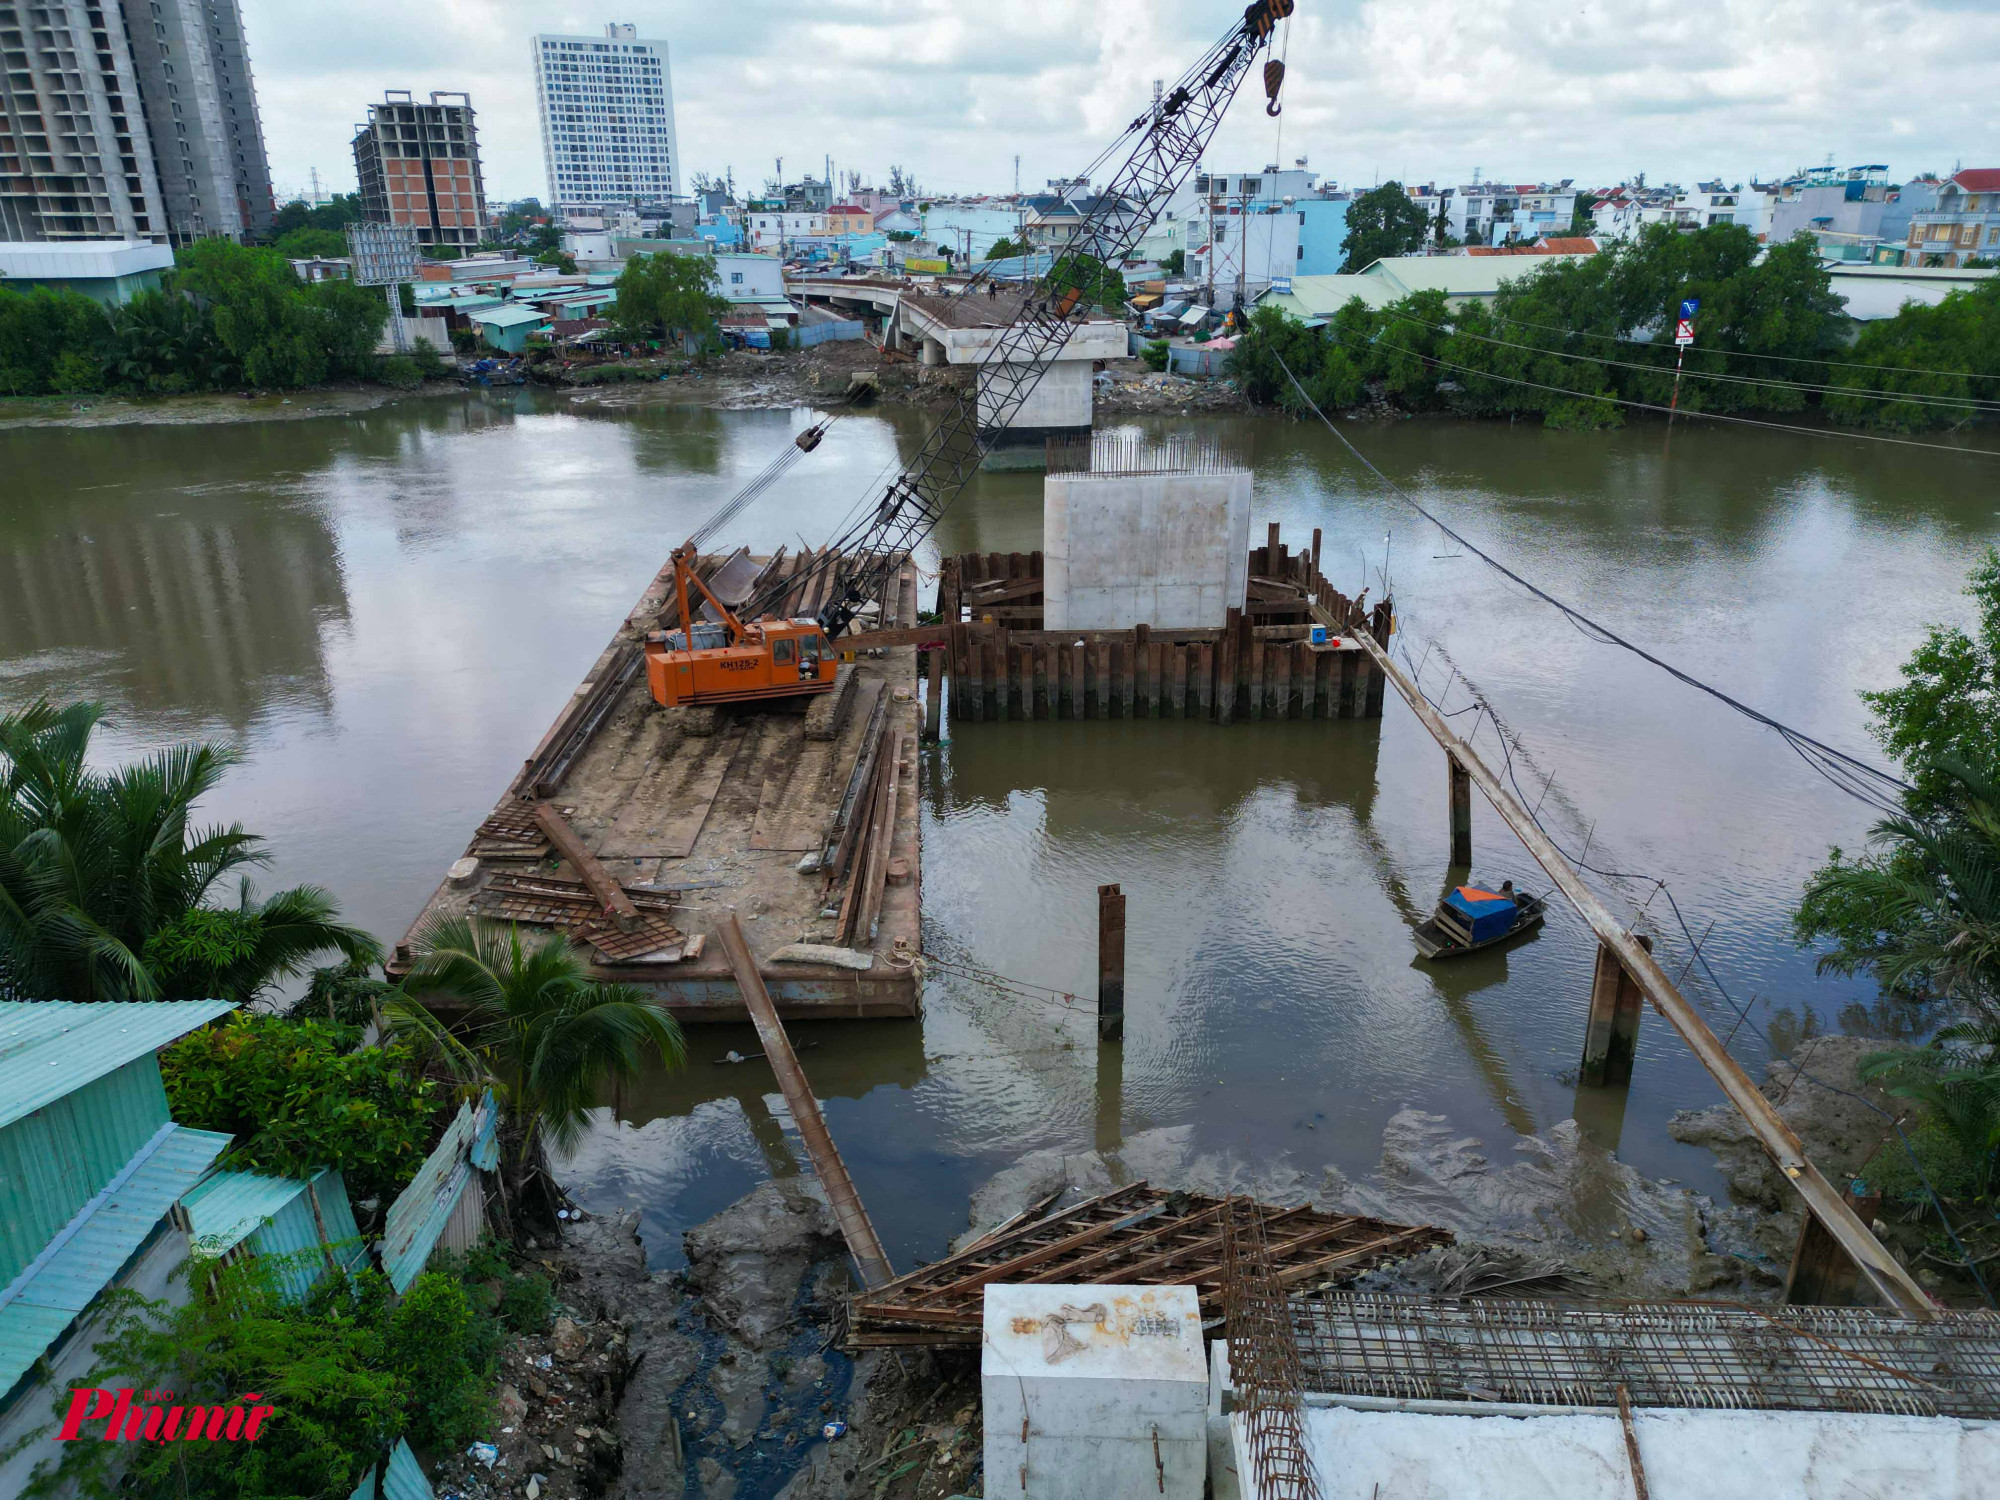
(1915, 398)
(1707, 416)
(1855, 777)
(1790, 359)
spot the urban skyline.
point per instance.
(1684, 93)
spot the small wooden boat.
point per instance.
(1470, 918)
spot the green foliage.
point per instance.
(1095, 282)
(1956, 1084)
(335, 214)
(1175, 264)
(313, 244)
(1155, 354)
(1382, 221)
(902, 236)
(43, 335)
(346, 1375)
(336, 1403)
(345, 994)
(521, 215)
(781, 340)
(534, 1027)
(430, 364)
(434, 1335)
(666, 294)
(280, 331)
(100, 872)
(1946, 711)
(401, 372)
(1552, 342)
(1920, 909)
(298, 1100)
(558, 258)
(1004, 247)
(1933, 353)
(527, 1303)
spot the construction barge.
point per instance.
(632, 826)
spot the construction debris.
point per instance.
(1135, 1236)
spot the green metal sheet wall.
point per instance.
(55, 1160)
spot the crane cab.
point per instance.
(769, 659)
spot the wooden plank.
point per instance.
(870, 1259)
(1891, 1281)
(1180, 656)
(880, 837)
(1117, 1199)
(1044, 658)
(1309, 676)
(1204, 681)
(609, 893)
(1041, 1255)
(1260, 690)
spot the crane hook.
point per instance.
(1274, 80)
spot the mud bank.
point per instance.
(736, 1368)
(210, 410)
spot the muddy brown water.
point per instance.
(387, 609)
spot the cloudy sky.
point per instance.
(1418, 89)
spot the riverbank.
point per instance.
(741, 380)
(738, 1373)
(211, 409)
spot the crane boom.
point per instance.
(1171, 138)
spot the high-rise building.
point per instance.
(129, 119)
(419, 165)
(607, 119)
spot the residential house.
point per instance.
(1245, 251)
(849, 218)
(305, 1228)
(1492, 213)
(1322, 232)
(1053, 222)
(1850, 212)
(93, 1171)
(1620, 213)
(967, 227)
(769, 228)
(897, 220)
(1462, 278)
(1963, 225)
(1710, 203)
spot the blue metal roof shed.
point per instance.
(233, 1215)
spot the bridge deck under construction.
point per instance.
(684, 822)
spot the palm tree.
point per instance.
(535, 1028)
(1922, 908)
(105, 883)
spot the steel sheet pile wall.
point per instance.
(1261, 665)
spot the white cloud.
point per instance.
(1377, 88)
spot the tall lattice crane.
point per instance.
(740, 658)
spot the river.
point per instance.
(386, 610)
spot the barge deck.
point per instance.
(632, 827)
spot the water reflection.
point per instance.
(388, 609)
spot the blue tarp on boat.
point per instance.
(1487, 913)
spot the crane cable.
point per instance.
(1856, 777)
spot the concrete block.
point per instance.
(1084, 1385)
(1168, 550)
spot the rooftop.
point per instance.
(38, 1306)
(81, 259)
(50, 1048)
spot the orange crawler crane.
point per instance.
(729, 660)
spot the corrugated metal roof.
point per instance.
(405, 1480)
(275, 1214)
(93, 1247)
(228, 1207)
(49, 1048)
(512, 315)
(414, 1221)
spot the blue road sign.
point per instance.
(1689, 307)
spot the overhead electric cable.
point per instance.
(1856, 777)
(1706, 416)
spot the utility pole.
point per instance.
(1017, 174)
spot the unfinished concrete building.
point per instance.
(129, 120)
(418, 165)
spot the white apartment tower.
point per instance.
(607, 119)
